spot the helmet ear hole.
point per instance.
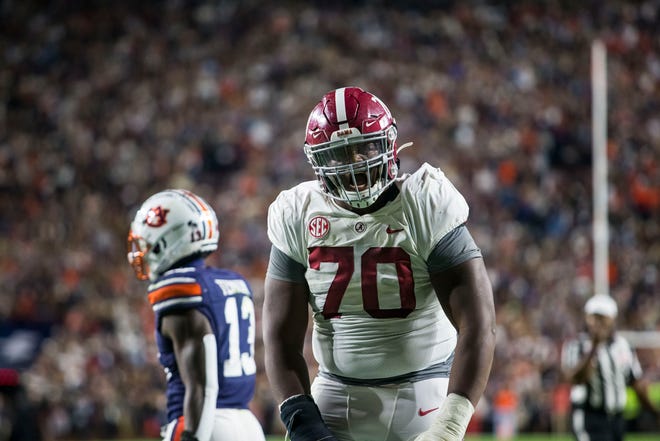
(156, 249)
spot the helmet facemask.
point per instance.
(149, 260)
(355, 168)
(138, 248)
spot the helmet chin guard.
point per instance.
(351, 144)
(374, 187)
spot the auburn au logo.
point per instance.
(156, 216)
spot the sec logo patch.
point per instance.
(319, 227)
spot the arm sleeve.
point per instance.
(205, 425)
(282, 267)
(454, 248)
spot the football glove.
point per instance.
(303, 420)
(187, 435)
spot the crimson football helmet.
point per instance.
(350, 141)
(170, 226)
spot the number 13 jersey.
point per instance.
(376, 314)
(225, 299)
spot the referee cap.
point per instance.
(601, 304)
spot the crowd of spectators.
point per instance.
(104, 102)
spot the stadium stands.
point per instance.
(103, 103)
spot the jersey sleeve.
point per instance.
(174, 293)
(434, 207)
(635, 373)
(282, 267)
(283, 225)
(454, 248)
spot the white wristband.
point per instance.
(452, 420)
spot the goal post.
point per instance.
(599, 167)
(600, 190)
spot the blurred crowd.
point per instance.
(104, 102)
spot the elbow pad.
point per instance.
(303, 420)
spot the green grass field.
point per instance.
(554, 437)
(538, 437)
(521, 437)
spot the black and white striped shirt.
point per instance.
(616, 367)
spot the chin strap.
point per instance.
(205, 425)
(451, 422)
(404, 146)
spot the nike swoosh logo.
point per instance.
(421, 412)
(391, 231)
(370, 123)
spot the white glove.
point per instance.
(451, 422)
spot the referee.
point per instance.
(600, 364)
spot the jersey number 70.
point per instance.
(343, 257)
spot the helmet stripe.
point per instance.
(200, 205)
(340, 108)
(197, 201)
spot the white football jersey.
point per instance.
(376, 314)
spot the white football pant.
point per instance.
(397, 412)
(228, 425)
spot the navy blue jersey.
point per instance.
(225, 298)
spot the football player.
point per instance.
(204, 320)
(401, 302)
